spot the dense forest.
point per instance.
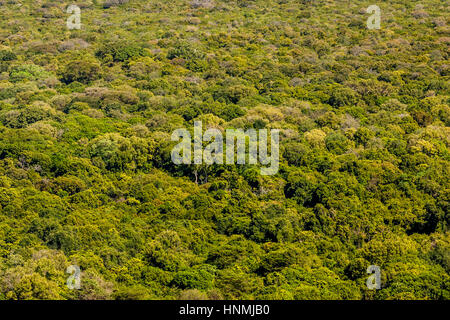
(86, 176)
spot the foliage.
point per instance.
(86, 176)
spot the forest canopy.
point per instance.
(86, 176)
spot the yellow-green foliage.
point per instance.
(86, 176)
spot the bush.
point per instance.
(28, 115)
(6, 55)
(81, 71)
(28, 72)
(336, 143)
(193, 279)
(120, 51)
(192, 56)
(112, 3)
